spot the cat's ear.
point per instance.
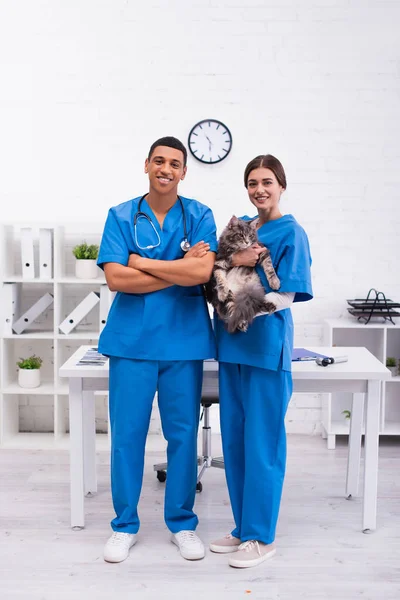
(234, 221)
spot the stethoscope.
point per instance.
(185, 245)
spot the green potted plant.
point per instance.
(86, 260)
(391, 365)
(29, 371)
(346, 414)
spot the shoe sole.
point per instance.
(223, 549)
(239, 564)
(174, 541)
(122, 559)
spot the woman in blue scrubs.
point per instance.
(157, 335)
(255, 374)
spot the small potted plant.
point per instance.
(346, 414)
(391, 365)
(86, 257)
(29, 371)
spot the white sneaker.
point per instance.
(190, 546)
(118, 546)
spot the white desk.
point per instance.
(361, 375)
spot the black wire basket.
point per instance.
(374, 306)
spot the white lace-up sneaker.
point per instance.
(189, 544)
(118, 546)
(229, 543)
(251, 553)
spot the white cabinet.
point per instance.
(382, 340)
(45, 407)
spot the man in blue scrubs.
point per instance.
(157, 335)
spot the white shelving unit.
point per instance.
(19, 407)
(382, 340)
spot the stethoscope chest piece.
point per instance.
(185, 246)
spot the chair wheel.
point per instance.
(161, 476)
(199, 487)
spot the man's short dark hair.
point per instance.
(170, 142)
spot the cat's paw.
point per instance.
(243, 326)
(274, 282)
(269, 307)
(222, 294)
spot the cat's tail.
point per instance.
(209, 290)
(247, 304)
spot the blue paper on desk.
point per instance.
(304, 354)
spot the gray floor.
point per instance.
(321, 550)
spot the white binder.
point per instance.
(76, 316)
(27, 257)
(45, 253)
(106, 299)
(32, 313)
(9, 306)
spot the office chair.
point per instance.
(209, 396)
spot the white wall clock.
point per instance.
(210, 141)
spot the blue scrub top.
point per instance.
(268, 342)
(169, 324)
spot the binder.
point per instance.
(76, 316)
(9, 306)
(27, 257)
(32, 313)
(45, 253)
(304, 354)
(106, 299)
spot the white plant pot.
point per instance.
(86, 269)
(394, 371)
(29, 378)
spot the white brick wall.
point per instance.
(87, 85)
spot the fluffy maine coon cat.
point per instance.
(237, 293)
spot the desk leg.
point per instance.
(76, 452)
(354, 453)
(89, 443)
(372, 418)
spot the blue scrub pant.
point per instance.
(253, 405)
(133, 384)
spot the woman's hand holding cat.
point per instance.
(198, 250)
(248, 257)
